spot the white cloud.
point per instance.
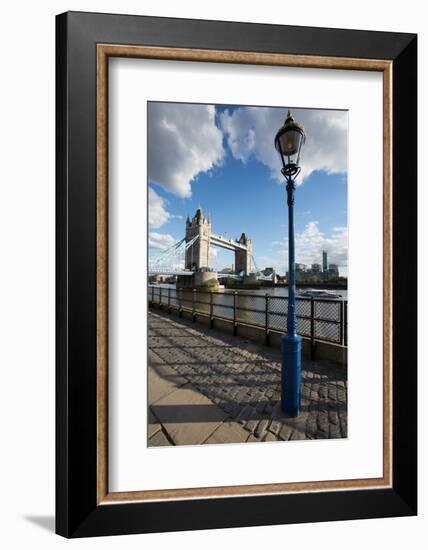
(311, 242)
(183, 141)
(251, 131)
(160, 241)
(158, 214)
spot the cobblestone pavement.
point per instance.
(227, 389)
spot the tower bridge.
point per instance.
(198, 255)
(194, 249)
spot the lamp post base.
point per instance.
(291, 373)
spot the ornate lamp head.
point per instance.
(288, 142)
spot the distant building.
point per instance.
(324, 260)
(334, 268)
(300, 272)
(317, 273)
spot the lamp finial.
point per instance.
(289, 118)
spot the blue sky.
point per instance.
(222, 159)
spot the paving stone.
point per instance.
(228, 432)
(277, 412)
(314, 395)
(285, 432)
(236, 409)
(159, 439)
(333, 417)
(262, 427)
(276, 395)
(269, 407)
(322, 422)
(251, 425)
(158, 386)
(311, 424)
(341, 395)
(297, 435)
(323, 392)
(261, 406)
(315, 388)
(334, 431)
(227, 406)
(187, 416)
(275, 427)
(245, 414)
(343, 427)
(306, 391)
(242, 396)
(153, 425)
(332, 392)
(298, 422)
(269, 437)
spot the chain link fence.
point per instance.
(317, 319)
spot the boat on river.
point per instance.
(318, 293)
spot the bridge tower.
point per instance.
(198, 255)
(243, 257)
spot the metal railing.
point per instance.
(317, 318)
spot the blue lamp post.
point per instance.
(288, 142)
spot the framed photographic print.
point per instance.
(236, 274)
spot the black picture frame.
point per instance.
(77, 511)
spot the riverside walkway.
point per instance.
(205, 387)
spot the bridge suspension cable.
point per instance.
(256, 269)
(172, 259)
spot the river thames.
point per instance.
(272, 291)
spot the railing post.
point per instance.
(234, 313)
(342, 335)
(169, 300)
(312, 328)
(211, 310)
(180, 302)
(193, 304)
(267, 319)
(153, 295)
(345, 324)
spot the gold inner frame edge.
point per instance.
(104, 51)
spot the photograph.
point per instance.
(247, 273)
